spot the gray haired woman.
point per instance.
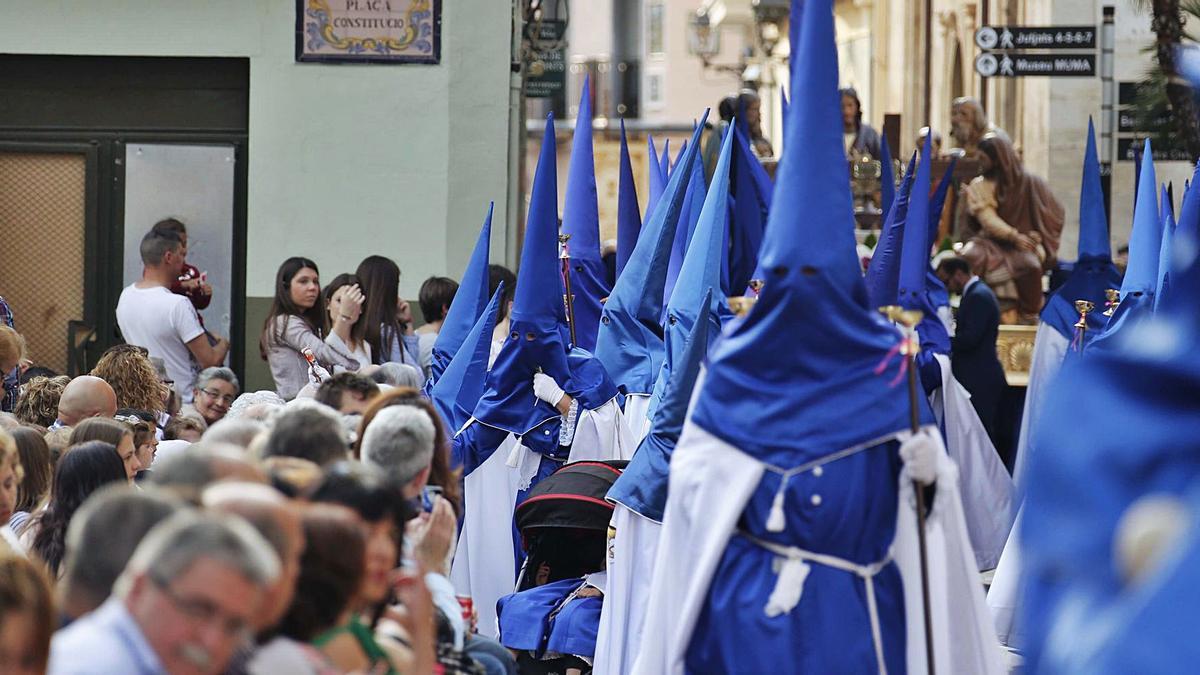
(215, 390)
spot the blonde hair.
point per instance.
(12, 345)
(58, 440)
(129, 371)
(38, 403)
(25, 590)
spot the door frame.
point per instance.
(105, 209)
(95, 247)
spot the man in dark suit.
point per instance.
(973, 347)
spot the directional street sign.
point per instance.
(1003, 64)
(1128, 148)
(1036, 37)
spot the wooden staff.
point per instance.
(569, 299)
(908, 320)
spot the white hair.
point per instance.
(399, 441)
(257, 405)
(400, 375)
(169, 550)
(240, 432)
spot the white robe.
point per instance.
(632, 547)
(484, 566)
(711, 481)
(601, 435)
(1049, 350)
(1005, 590)
(484, 562)
(984, 482)
(637, 407)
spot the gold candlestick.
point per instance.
(1084, 307)
(1113, 300)
(741, 305)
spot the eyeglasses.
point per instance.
(204, 611)
(224, 398)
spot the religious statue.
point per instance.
(859, 137)
(1012, 229)
(969, 123)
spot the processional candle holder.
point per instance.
(1084, 307)
(1112, 300)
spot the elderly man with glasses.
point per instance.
(188, 597)
(216, 389)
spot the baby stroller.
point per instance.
(552, 618)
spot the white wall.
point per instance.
(345, 160)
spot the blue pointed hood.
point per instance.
(751, 197)
(887, 179)
(1094, 272)
(883, 274)
(700, 274)
(937, 203)
(912, 292)
(468, 304)
(629, 219)
(1093, 222)
(642, 487)
(464, 379)
(1117, 426)
(693, 203)
(938, 295)
(581, 220)
(1189, 211)
(796, 378)
(654, 176)
(671, 166)
(664, 161)
(630, 342)
(1141, 275)
(1164, 251)
(537, 321)
(1122, 424)
(1186, 242)
(914, 255)
(581, 215)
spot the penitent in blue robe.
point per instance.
(847, 509)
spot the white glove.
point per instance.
(545, 388)
(920, 456)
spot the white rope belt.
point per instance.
(789, 585)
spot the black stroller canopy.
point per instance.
(572, 497)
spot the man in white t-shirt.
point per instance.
(166, 324)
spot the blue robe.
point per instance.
(536, 620)
(829, 630)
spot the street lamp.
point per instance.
(704, 40)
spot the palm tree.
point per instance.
(1165, 105)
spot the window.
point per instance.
(654, 90)
(655, 20)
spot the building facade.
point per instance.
(883, 47)
(330, 161)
